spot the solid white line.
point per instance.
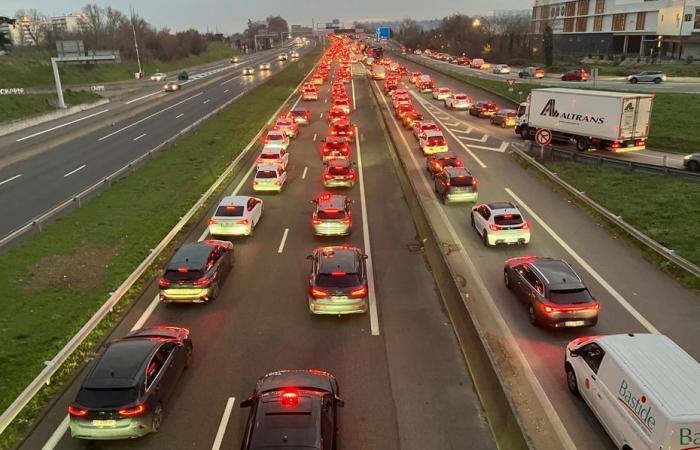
(303, 175)
(373, 316)
(139, 137)
(73, 171)
(352, 84)
(15, 177)
(62, 125)
(141, 98)
(206, 101)
(284, 239)
(229, 80)
(224, 422)
(296, 102)
(315, 135)
(226, 91)
(148, 117)
(625, 304)
(179, 115)
(57, 434)
(147, 313)
(325, 100)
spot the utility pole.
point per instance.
(680, 32)
(136, 44)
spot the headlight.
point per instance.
(687, 157)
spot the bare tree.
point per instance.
(36, 24)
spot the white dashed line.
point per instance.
(62, 125)
(303, 175)
(223, 424)
(315, 136)
(179, 115)
(206, 101)
(15, 177)
(74, 171)
(139, 137)
(226, 91)
(284, 239)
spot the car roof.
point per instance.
(272, 149)
(337, 201)
(291, 427)
(234, 200)
(433, 133)
(456, 171)
(338, 259)
(121, 363)
(444, 155)
(193, 256)
(557, 273)
(268, 167)
(302, 378)
(495, 206)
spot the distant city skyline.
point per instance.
(228, 16)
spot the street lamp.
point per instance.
(476, 23)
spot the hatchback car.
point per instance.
(332, 216)
(441, 93)
(269, 177)
(435, 163)
(458, 101)
(410, 118)
(334, 148)
(172, 86)
(575, 75)
(338, 281)
(455, 184)
(236, 216)
(483, 108)
(273, 155)
(432, 142)
(310, 93)
(196, 271)
(344, 129)
(158, 76)
(293, 409)
(501, 69)
(339, 173)
(335, 115)
(288, 126)
(500, 223)
(342, 104)
(126, 389)
(422, 127)
(531, 72)
(276, 138)
(553, 292)
(248, 71)
(425, 86)
(655, 76)
(505, 118)
(302, 116)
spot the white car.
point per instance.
(160, 76)
(501, 68)
(458, 101)
(265, 66)
(500, 223)
(248, 71)
(432, 142)
(269, 177)
(441, 93)
(236, 216)
(235, 60)
(295, 55)
(172, 86)
(288, 126)
(273, 155)
(282, 57)
(276, 138)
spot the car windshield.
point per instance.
(508, 219)
(331, 214)
(229, 211)
(266, 174)
(106, 398)
(337, 281)
(185, 276)
(275, 137)
(570, 296)
(334, 145)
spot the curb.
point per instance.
(22, 124)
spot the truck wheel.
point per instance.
(525, 132)
(582, 144)
(571, 380)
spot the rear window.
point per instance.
(337, 170)
(106, 398)
(269, 156)
(461, 97)
(570, 296)
(461, 181)
(338, 281)
(436, 141)
(275, 137)
(176, 276)
(266, 174)
(331, 214)
(447, 160)
(508, 219)
(229, 211)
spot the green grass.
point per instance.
(32, 68)
(15, 107)
(53, 282)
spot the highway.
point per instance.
(635, 296)
(45, 165)
(400, 371)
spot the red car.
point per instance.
(335, 115)
(339, 173)
(404, 109)
(576, 75)
(342, 128)
(335, 147)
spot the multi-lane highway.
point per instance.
(401, 373)
(45, 165)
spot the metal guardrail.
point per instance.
(666, 253)
(52, 366)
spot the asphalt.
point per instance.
(635, 295)
(405, 385)
(37, 175)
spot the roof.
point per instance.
(295, 427)
(670, 376)
(234, 200)
(309, 379)
(192, 256)
(595, 93)
(121, 363)
(456, 171)
(268, 168)
(334, 201)
(338, 259)
(558, 274)
(433, 133)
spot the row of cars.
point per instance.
(127, 388)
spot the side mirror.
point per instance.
(365, 256)
(339, 402)
(574, 353)
(315, 202)
(309, 257)
(247, 403)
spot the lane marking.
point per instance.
(57, 434)
(296, 103)
(373, 317)
(501, 149)
(352, 84)
(511, 343)
(229, 80)
(147, 313)
(303, 175)
(284, 239)
(223, 424)
(139, 137)
(206, 101)
(321, 116)
(148, 117)
(61, 126)
(315, 135)
(625, 304)
(482, 139)
(15, 177)
(467, 131)
(179, 115)
(226, 90)
(141, 98)
(74, 171)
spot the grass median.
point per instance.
(56, 280)
(15, 107)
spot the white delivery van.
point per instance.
(644, 389)
(616, 121)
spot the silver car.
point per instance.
(236, 216)
(692, 162)
(265, 66)
(655, 76)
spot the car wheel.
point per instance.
(633, 80)
(694, 166)
(471, 216)
(657, 80)
(525, 132)
(563, 78)
(214, 291)
(571, 381)
(532, 315)
(506, 279)
(157, 420)
(486, 239)
(188, 355)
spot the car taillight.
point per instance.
(135, 411)
(344, 151)
(474, 181)
(346, 221)
(327, 176)
(255, 182)
(213, 222)
(458, 163)
(278, 182)
(616, 144)
(242, 222)
(266, 140)
(319, 293)
(77, 412)
(357, 293)
(351, 176)
(202, 281)
(494, 227)
(525, 226)
(164, 283)
(316, 221)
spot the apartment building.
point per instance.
(71, 23)
(661, 28)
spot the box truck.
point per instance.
(615, 121)
(644, 389)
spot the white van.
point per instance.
(644, 389)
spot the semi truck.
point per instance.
(615, 121)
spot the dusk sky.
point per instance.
(231, 16)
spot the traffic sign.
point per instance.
(543, 137)
(510, 82)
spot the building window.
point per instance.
(598, 23)
(570, 9)
(581, 24)
(641, 19)
(599, 6)
(697, 19)
(618, 23)
(582, 8)
(568, 25)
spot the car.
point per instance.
(485, 66)
(276, 138)
(390, 85)
(575, 75)
(425, 86)
(410, 118)
(415, 76)
(339, 172)
(476, 63)
(293, 409)
(505, 118)
(423, 126)
(269, 177)
(501, 69)
(334, 147)
(265, 66)
(183, 76)
(294, 55)
(234, 60)
(335, 115)
(131, 381)
(464, 61)
(500, 223)
(531, 72)
(404, 109)
(310, 93)
(441, 93)
(172, 86)
(273, 155)
(332, 215)
(288, 126)
(342, 104)
(458, 101)
(158, 76)
(317, 79)
(552, 290)
(692, 162)
(432, 141)
(435, 163)
(400, 99)
(655, 76)
(248, 71)
(342, 128)
(236, 215)
(338, 281)
(483, 108)
(282, 57)
(455, 184)
(196, 271)
(301, 116)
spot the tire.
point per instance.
(582, 144)
(657, 80)
(215, 291)
(506, 279)
(525, 132)
(694, 166)
(486, 239)
(532, 315)
(188, 356)
(563, 78)
(633, 80)
(571, 381)
(503, 124)
(157, 420)
(471, 216)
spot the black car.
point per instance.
(456, 184)
(196, 272)
(338, 281)
(183, 76)
(553, 291)
(124, 394)
(483, 108)
(435, 163)
(293, 409)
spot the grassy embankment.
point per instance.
(13, 107)
(54, 281)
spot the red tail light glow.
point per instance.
(338, 274)
(213, 222)
(525, 226)
(202, 282)
(316, 221)
(319, 293)
(494, 227)
(77, 412)
(290, 398)
(135, 411)
(346, 221)
(327, 176)
(361, 292)
(164, 283)
(242, 222)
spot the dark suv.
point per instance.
(338, 281)
(332, 215)
(456, 184)
(553, 291)
(293, 409)
(483, 108)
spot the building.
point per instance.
(71, 23)
(21, 32)
(659, 28)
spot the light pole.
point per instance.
(680, 32)
(136, 44)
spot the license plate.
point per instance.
(337, 299)
(574, 323)
(104, 423)
(226, 224)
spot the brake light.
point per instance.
(202, 282)
(494, 227)
(525, 226)
(213, 222)
(458, 163)
(474, 181)
(327, 176)
(351, 176)
(135, 411)
(346, 221)
(316, 221)
(182, 269)
(242, 222)
(77, 412)
(319, 293)
(338, 274)
(164, 283)
(266, 140)
(361, 292)
(290, 398)
(508, 216)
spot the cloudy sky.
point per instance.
(232, 15)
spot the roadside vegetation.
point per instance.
(54, 281)
(671, 70)
(15, 107)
